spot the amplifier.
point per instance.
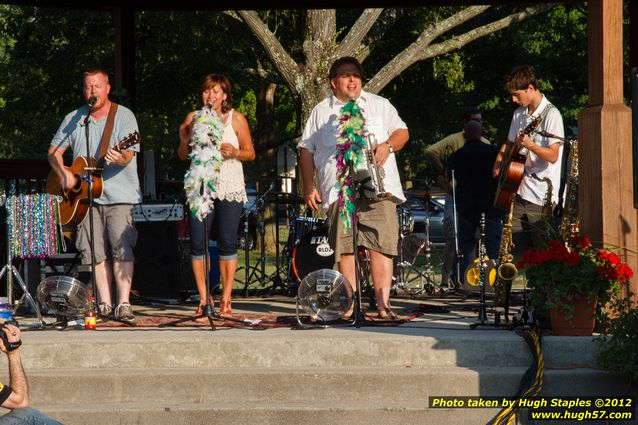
(158, 212)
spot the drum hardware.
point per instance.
(282, 277)
(407, 277)
(257, 273)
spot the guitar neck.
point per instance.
(101, 162)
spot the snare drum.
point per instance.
(301, 226)
(406, 221)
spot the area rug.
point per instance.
(244, 320)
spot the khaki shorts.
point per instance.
(114, 231)
(378, 228)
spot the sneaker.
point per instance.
(124, 313)
(104, 311)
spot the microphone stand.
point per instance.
(89, 169)
(459, 254)
(358, 318)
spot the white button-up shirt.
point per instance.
(320, 139)
(531, 189)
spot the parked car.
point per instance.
(422, 206)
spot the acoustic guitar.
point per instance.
(512, 169)
(75, 204)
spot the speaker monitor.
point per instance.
(157, 273)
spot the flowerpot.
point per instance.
(581, 324)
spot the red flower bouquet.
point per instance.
(559, 274)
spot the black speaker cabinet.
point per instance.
(157, 266)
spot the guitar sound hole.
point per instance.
(78, 183)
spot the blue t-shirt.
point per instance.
(121, 184)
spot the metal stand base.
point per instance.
(25, 294)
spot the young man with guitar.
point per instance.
(528, 161)
(113, 137)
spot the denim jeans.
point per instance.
(225, 217)
(27, 416)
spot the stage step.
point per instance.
(267, 413)
(81, 386)
(283, 376)
(335, 347)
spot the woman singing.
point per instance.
(215, 139)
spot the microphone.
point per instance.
(92, 101)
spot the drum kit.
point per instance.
(307, 250)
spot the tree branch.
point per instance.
(356, 34)
(439, 28)
(282, 61)
(421, 50)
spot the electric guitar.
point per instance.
(75, 205)
(512, 169)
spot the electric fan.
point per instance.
(325, 295)
(64, 295)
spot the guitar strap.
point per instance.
(544, 113)
(108, 130)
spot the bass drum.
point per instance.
(312, 252)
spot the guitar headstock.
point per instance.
(532, 126)
(130, 140)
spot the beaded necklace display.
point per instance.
(31, 224)
(350, 144)
(201, 179)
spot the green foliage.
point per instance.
(449, 69)
(618, 342)
(43, 53)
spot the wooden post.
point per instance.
(605, 197)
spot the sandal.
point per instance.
(225, 308)
(386, 313)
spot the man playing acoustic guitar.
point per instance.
(527, 160)
(114, 232)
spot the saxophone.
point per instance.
(506, 271)
(569, 225)
(547, 207)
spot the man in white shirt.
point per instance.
(543, 159)
(377, 221)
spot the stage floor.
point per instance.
(453, 311)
